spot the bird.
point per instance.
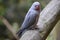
(30, 18)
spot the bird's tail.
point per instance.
(19, 33)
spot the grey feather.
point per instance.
(29, 20)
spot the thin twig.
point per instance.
(9, 26)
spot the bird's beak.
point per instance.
(37, 7)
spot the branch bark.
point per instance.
(31, 35)
(49, 17)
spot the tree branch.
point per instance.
(49, 17)
(6, 23)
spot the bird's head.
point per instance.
(36, 6)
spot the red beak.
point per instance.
(37, 7)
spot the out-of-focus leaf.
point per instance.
(2, 10)
(1, 22)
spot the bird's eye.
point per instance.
(36, 5)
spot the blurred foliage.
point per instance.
(14, 11)
(2, 10)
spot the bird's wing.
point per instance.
(29, 21)
(28, 13)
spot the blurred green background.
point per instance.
(14, 11)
